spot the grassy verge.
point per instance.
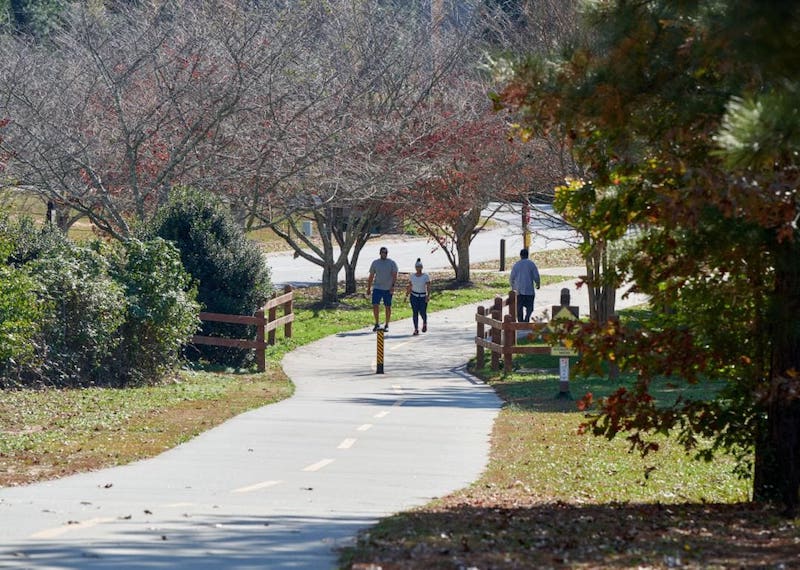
(46, 434)
(52, 433)
(550, 498)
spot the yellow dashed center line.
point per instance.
(318, 465)
(58, 531)
(257, 486)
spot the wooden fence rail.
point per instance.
(265, 320)
(501, 336)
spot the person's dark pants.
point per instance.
(524, 302)
(419, 308)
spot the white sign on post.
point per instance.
(563, 369)
(563, 385)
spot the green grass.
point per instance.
(542, 449)
(54, 432)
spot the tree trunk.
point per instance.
(766, 472)
(330, 285)
(350, 285)
(602, 290)
(783, 419)
(463, 231)
(462, 269)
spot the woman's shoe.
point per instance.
(416, 331)
(425, 327)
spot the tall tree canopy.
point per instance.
(293, 111)
(125, 105)
(687, 116)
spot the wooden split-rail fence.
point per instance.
(266, 321)
(498, 333)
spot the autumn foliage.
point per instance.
(684, 116)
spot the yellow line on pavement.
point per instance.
(400, 344)
(347, 443)
(318, 465)
(58, 531)
(257, 486)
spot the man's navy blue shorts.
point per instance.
(384, 295)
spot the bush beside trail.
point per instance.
(93, 314)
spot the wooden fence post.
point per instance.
(512, 304)
(480, 359)
(497, 332)
(288, 308)
(509, 342)
(272, 314)
(261, 358)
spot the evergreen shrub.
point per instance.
(160, 311)
(92, 314)
(230, 270)
(20, 315)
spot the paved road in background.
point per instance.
(405, 250)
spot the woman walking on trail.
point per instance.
(419, 289)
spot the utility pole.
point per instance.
(526, 222)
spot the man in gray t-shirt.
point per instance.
(383, 272)
(524, 276)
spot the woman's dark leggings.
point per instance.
(419, 308)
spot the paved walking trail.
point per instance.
(282, 486)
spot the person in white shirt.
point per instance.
(419, 289)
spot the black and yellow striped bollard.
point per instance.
(379, 367)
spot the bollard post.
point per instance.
(563, 379)
(564, 311)
(502, 255)
(379, 366)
